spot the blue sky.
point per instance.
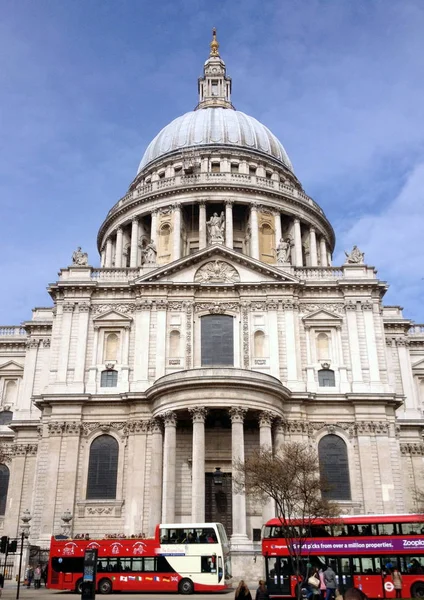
(86, 84)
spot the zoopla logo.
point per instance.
(413, 543)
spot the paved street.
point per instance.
(9, 593)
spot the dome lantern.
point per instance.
(214, 87)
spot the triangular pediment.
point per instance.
(11, 367)
(112, 316)
(216, 265)
(419, 365)
(322, 317)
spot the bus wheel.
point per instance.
(417, 590)
(105, 586)
(186, 586)
(78, 587)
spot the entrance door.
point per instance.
(218, 501)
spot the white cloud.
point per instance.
(393, 241)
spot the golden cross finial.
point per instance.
(214, 44)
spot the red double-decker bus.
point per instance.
(362, 550)
(182, 558)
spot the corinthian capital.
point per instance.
(198, 414)
(237, 414)
(169, 418)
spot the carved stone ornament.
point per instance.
(169, 418)
(355, 256)
(99, 309)
(99, 510)
(73, 428)
(155, 426)
(189, 324)
(55, 427)
(198, 414)
(139, 426)
(266, 418)
(245, 329)
(121, 426)
(309, 308)
(24, 450)
(412, 448)
(216, 228)
(110, 364)
(216, 271)
(237, 414)
(217, 308)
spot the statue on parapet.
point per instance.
(283, 252)
(355, 256)
(79, 258)
(216, 227)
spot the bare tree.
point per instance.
(292, 480)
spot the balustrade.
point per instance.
(7, 330)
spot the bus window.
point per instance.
(68, 565)
(385, 529)
(356, 565)
(114, 565)
(149, 564)
(412, 528)
(137, 564)
(125, 564)
(208, 564)
(415, 565)
(163, 566)
(345, 565)
(378, 564)
(389, 563)
(367, 565)
(266, 532)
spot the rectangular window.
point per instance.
(216, 167)
(214, 85)
(234, 168)
(149, 564)
(256, 535)
(208, 564)
(252, 170)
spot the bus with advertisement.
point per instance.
(184, 558)
(363, 551)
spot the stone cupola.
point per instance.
(215, 85)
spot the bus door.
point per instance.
(368, 575)
(388, 563)
(278, 575)
(344, 574)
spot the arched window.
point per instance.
(109, 378)
(4, 486)
(259, 344)
(102, 468)
(111, 346)
(326, 378)
(11, 391)
(174, 344)
(217, 335)
(6, 417)
(334, 468)
(323, 346)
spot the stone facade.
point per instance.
(124, 352)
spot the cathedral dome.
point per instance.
(215, 126)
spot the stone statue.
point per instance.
(150, 253)
(216, 226)
(355, 256)
(283, 252)
(79, 258)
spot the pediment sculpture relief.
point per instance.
(217, 271)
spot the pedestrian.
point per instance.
(29, 576)
(397, 582)
(330, 583)
(242, 592)
(37, 577)
(322, 583)
(44, 573)
(314, 583)
(262, 593)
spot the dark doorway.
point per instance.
(219, 498)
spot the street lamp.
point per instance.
(25, 527)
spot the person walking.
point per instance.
(397, 582)
(242, 592)
(29, 576)
(37, 577)
(262, 593)
(314, 583)
(322, 583)
(330, 583)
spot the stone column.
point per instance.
(229, 223)
(108, 262)
(279, 437)
(323, 252)
(65, 338)
(298, 258)
(103, 257)
(370, 337)
(176, 243)
(134, 243)
(254, 239)
(355, 356)
(154, 226)
(202, 225)
(265, 442)
(237, 415)
(313, 247)
(278, 233)
(83, 313)
(118, 254)
(198, 415)
(155, 512)
(169, 452)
